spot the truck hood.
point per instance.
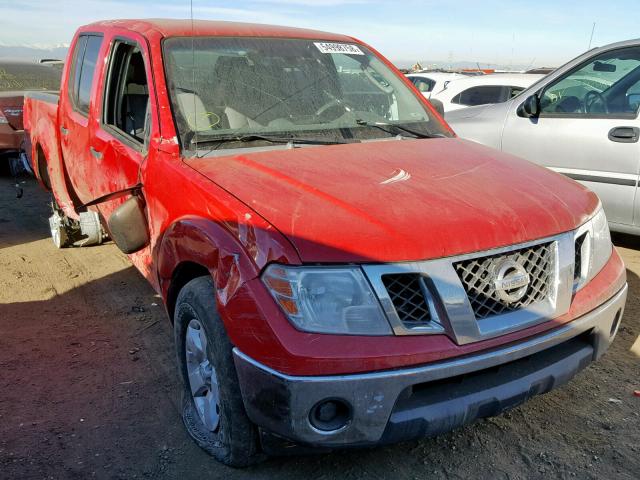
(398, 200)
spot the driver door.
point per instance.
(120, 141)
(588, 129)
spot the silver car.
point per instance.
(581, 121)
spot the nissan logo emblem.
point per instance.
(510, 281)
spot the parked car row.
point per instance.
(456, 91)
(339, 268)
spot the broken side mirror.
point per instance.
(530, 108)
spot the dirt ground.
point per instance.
(88, 385)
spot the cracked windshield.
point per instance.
(234, 92)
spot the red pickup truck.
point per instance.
(339, 268)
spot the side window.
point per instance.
(605, 85)
(515, 91)
(126, 99)
(74, 76)
(633, 97)
(425, 85)
(481, 95)
(84, 65)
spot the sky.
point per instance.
(515, 32)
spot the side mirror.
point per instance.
(438, 105)
(128, 226)
(531, 107)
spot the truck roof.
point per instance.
(185, 27)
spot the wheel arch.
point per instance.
(193, 247)
(40, 166)
(183, 273)
(48, 164)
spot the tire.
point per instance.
(15, 166)
(232, 439)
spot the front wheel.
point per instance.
(212, 408)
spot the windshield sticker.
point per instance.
(338, 48)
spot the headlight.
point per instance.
(593, 241)
(335, 300)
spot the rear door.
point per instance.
(74, 119)
(588, 129)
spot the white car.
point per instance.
(484, 89)
(432, 82)
(583, 121)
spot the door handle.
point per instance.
(63, 130)
(624, 134)
(96, 154)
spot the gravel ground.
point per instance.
(88, 385)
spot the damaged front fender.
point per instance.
(232, 256)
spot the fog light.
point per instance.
(330, 415)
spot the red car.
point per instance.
(339, 268)
(15, 78)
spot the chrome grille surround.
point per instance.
(477, 275)
(450, 308)
(582, 259)
(580, 243)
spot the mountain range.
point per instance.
(33, 53)
(37, 52)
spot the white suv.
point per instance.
(484, 89)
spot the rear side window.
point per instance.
(85, 58)
(481, 95)
(515, 91)
(78, 53)
(425, 85)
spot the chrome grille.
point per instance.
(477, 276)
(407, 296)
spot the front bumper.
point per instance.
(396, 405)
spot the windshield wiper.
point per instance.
(219, 141)
(385, 128)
